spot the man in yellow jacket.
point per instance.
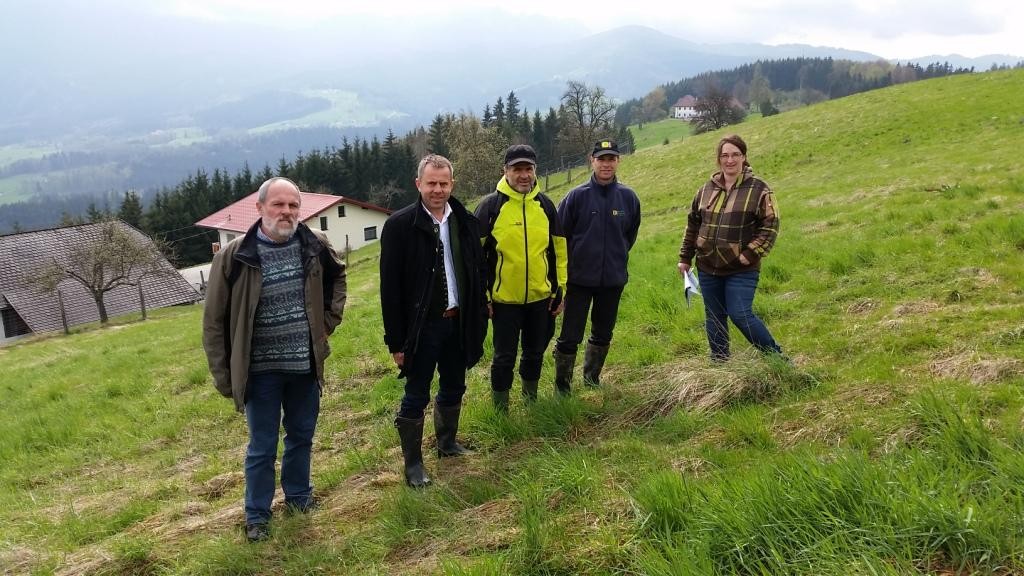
(526, 267)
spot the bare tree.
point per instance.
(717, 109)
(115, 255)
(588, 114)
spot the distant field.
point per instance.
(178, 137)
(11, 154)
(655, 133)
(16, 188)
(346, 110)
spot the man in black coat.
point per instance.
(434, 308)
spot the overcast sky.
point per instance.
(895, 29)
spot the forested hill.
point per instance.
(791, 82)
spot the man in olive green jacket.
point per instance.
(273, 298)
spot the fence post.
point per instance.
(142, 299)
(63, 314)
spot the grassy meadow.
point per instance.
(892, 447)
(656, 133)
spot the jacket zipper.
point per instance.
(526, 254)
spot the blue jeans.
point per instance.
(440, 347)
(298, 396)
(732, 297)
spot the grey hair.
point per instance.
(437, 161)
(261, 196)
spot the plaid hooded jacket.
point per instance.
(723, 224)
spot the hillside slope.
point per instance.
(893, 447)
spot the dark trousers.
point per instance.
(298, 396)
(533, 325)
(439, 347)
(732, 297)
(602, 316)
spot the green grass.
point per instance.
(656, 133)
(17, 188)
(11, 154)
(893, 447)
(346, 110)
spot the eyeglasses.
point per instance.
(733, 156)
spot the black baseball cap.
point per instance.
(604, 148)
(519, 153)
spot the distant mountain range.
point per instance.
(143, 101)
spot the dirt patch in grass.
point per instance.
(915, 308)
(17, 560)
(982, 278)
(827, 420)
(491, 526)
(358, 498)
(219, 485)
(971, 366)
(692, 466)
(862, 306)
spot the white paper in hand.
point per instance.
(690, 285)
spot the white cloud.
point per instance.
(889, 28)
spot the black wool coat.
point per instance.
(408, 263)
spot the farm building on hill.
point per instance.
(25, 308)
(349, 224)
(685, 108)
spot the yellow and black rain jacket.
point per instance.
(523, 245)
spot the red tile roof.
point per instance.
(238, 217)
(687, 101)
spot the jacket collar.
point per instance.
(505, 188)
(248, 253)
(745, 175)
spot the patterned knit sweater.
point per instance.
(280, 340)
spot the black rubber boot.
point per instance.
(410, 432)
(530, 390)
(446, 426)
(593, 362)
(500, 399)
(564, 365)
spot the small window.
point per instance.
(341, 210)
(13, 324)
(323, 222)
(370, 233)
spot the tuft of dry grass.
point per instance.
(219, 485)
(862, 306)
(702, 388)
(971, 366)
(915, 308)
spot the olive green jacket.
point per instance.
(233, 292)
